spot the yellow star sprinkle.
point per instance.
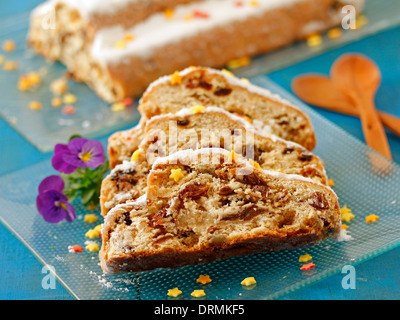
(135, 155)
(204, 279)
(238, 63)
(254, 164)
(248, 281)
(176, 174)
(90, 218)
(120, 44)
(56, 102)
(254, 3)
(361, 21)
(128, 37)
(8, 45)
(334, 33)
(371, 218)
(34, 78)
(169, 13)
(92, 233)
(228, 73)
(346, 214)
(69, 98)
(98, 228)
(188, 17)
(314, 40)
(198, 293)
(23, 84)
(117, 107)
(176, 78)
(232, 156)
(174, 292)
(344, 227)
(10, 65)
(92, 247)
(305, 258)
(35, 105)
(198, 109)
(331, 183)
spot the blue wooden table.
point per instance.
(378, 278)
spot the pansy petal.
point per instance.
(96, 150)
(60, 165)
(54, 215)
(76, 144)
(73, 159)
(51, 183)
(70, 212)
(47, 206)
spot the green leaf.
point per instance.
(87, 195)
(74, 136)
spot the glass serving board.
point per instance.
(365, 181)
(93, 117)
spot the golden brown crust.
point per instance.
(174, 259)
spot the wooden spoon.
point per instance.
(320, 91)
(360, 78)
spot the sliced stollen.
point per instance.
(210, 87)
(199, 128)
(204, 205)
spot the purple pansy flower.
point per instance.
(51, 203)
(78, 153)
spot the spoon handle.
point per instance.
(391, 122)
(374, 132)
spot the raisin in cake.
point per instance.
(118, 48)
(204, 205)
(210, 87)
(202, 128)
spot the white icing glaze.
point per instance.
(89, 7)
(157, 31)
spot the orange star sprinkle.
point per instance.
(307, 266)
(371, 218)
(176, 78)
(204, 279)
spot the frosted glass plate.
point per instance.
(93, 118)
(365, 181)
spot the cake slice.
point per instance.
(203, 128)
(210, 87)
(119, 47)
(204, 205)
